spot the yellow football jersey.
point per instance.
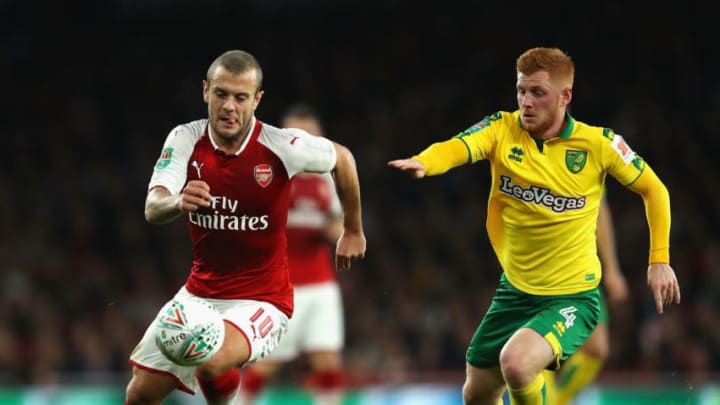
(545, 196)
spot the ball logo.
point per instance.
(175, 316)
(195, 352)
(189, 331)
(263, 174)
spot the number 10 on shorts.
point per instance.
(260, 326)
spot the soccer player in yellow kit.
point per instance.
(583, 367)
(548, 174)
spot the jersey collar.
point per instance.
(565, 134)
(245, 142)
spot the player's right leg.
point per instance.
(219, 378)
(484, 383)
(256, 376)
(148, 388)
(483, 386)
(253, 329)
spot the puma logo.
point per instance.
(197, 167)
(295, 138)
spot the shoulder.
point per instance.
(605, 138)
(494, 119)
(597, 133)
(283, 139)
(192, 130)
(272, 133)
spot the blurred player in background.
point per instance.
(548, 174)
(229, 177)
(317, 326)
(583, 367)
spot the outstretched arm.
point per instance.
(613, 279)
(412, 166)
(661, 277)
(351, 245)
(438, 158)
(162, 207)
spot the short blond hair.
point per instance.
(552, 60)
(236, 61)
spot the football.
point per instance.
(189, 331)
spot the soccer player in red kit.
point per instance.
(229, 176)
(317, 327)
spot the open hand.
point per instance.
(412, 166)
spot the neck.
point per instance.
(554, 130)
(231, 145)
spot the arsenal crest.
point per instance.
(263, 174)
(575, 160)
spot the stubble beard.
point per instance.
(540, 127)
(231, 137)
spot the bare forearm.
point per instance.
(348, 189)
(161, 207)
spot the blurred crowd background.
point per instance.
(92, 89)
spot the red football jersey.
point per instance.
(239, 242)
(313, 202)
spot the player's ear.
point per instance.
(206, 91)
(566, 95)
(258, 97)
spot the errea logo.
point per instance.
(516, 154)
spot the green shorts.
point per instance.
(603, 309)
(565, 321)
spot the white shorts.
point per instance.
(317, 322)
(147, 356)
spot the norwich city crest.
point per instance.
(575, 160)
